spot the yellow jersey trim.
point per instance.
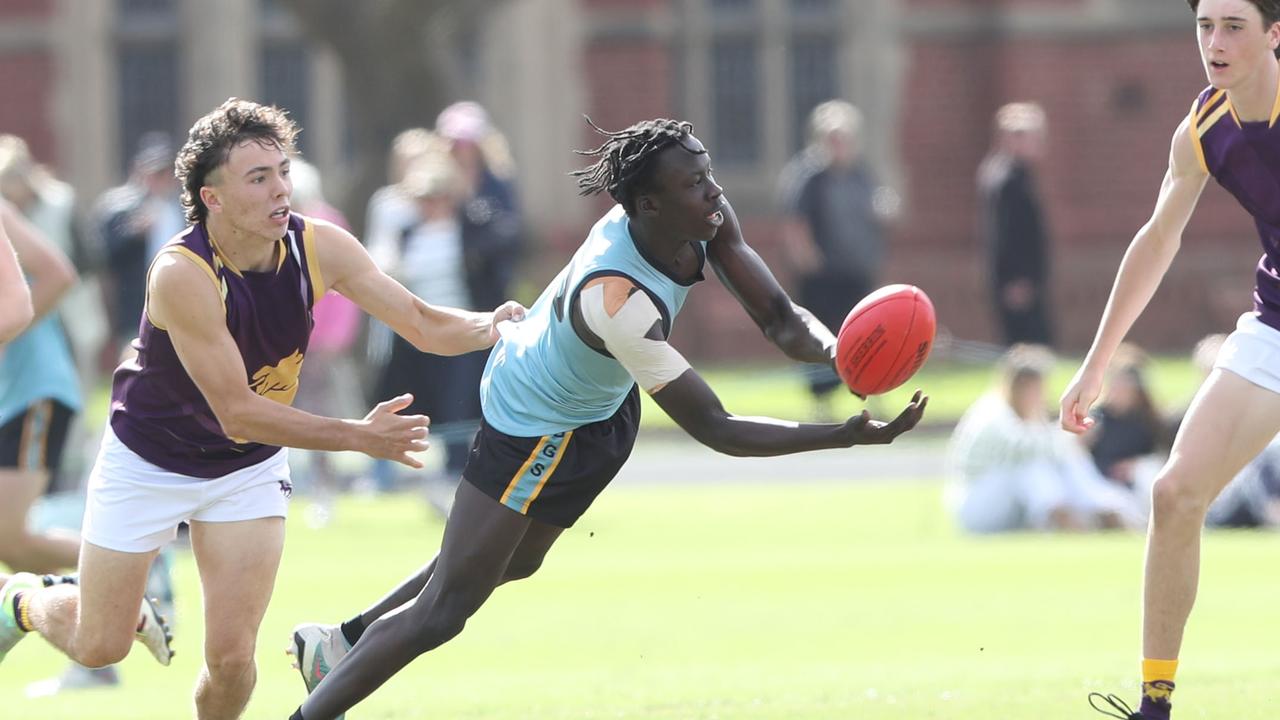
(1204, 109)
(1275, 108)
(1214, 117)
(218, 286)
(313, 260)
(1218, 113)
(220, 258)
(1195, 141)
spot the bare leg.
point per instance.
(238, 563)
(94, 623)
(1230, 422)
(21, 549)
(480, 539)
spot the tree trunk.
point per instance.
(398, 69)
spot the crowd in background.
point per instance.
(1012, 466)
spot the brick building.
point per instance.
(83, 80)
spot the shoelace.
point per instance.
(1119, 708)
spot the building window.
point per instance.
(284, 68)
(752, 71)
(814, 78)
(735, 48)
(285, 80)
(149, 68)
(736, 89)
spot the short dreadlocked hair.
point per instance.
(1270, 10)
(625, 167)
(211, 139)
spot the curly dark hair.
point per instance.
(625, 169)
(1270, 10)
(211, 139)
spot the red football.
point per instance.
(885, 339)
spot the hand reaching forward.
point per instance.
(862, 430)
(509, 310)
(391, 436)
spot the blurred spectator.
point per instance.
(15, 296)
(492, 227)
(1130, 439)
(39, 395)
(834, 227)
(390, 213)
(390, 209)
(1013, 226)
(327, 384)
(44, 200)
(48, 204)
(1013, 468)
(133, 221)
(429, 262)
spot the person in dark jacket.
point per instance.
(1013, 226)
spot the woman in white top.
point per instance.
(1012, 468)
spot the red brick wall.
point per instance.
(1113, 103)
(27, 82)
(25, 8)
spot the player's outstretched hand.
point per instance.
(865, 431)
(1078, 398)
(509, 310)
(391, 436)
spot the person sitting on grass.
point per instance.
(1013, 469)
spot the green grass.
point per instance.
(796, 601)
(780, 391)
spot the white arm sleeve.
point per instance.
(653, 363)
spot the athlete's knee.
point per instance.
(1179, 494)
(103, 651)
(229, 663)
(521, 569)
(442, 620)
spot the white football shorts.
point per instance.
(1252, 351)
(135, 506)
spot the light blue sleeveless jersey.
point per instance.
(541, 377)
(37, 365)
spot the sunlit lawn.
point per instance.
(795, 601)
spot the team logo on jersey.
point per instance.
(279, 382)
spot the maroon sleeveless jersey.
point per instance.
(1244, 157)
(156, 409)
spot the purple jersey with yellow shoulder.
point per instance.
(156, 409)
(1244, 157)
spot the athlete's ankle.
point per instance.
(353, 629)
(1157, 688)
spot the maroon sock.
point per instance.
(1156, 702)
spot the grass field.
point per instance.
(806, 601)
(781, 391)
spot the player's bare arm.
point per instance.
(347, 268)
(182, 302)
(792, 328)
(50, 272)
(1145, 263)
(614, 315)
(15, 296)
